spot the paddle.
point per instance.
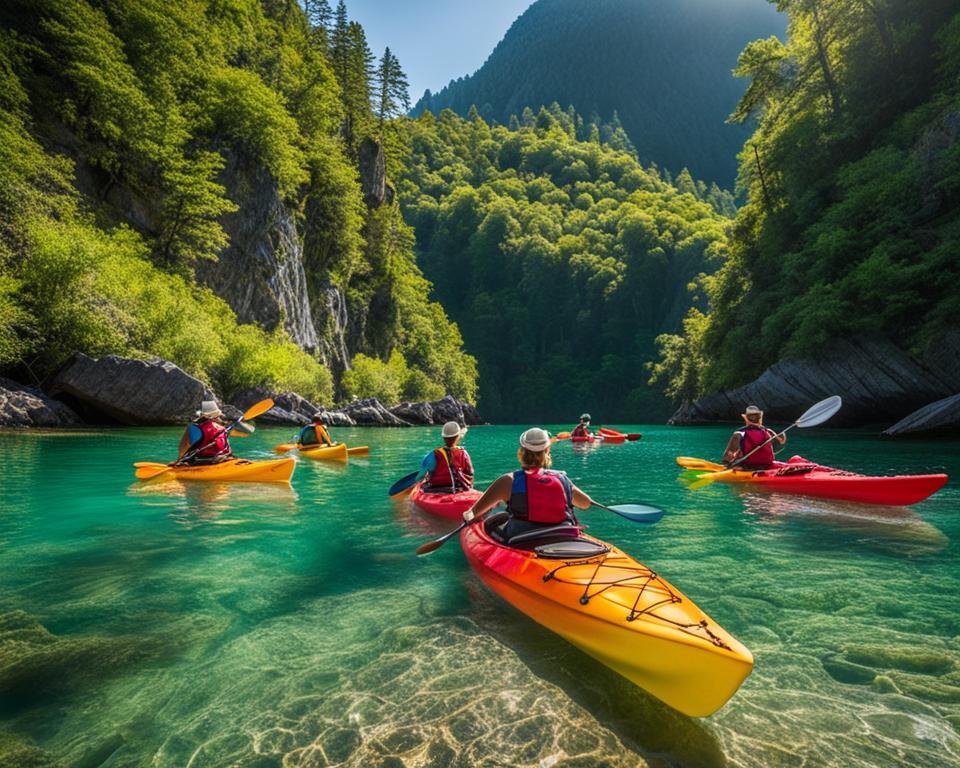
(359, 450)
(560, 436)
(405, 482)
(816, 414)
(635, 513)
(284, 447)
(146, 473)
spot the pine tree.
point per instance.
(318, 13)
(392, 94)
(356, 86)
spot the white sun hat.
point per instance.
(209, 409)
(535, 439)
(452, 429)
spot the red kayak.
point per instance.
(443, 503)
(583, 439)
(804, 477)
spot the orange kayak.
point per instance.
(233, 470)
(618, 611)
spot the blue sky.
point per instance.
(435, 40)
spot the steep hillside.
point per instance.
(663, 66)
(561, 260)
(207, 183)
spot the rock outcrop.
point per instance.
(23, 406)
(121, 390)
(940, 417)
(879, 384)
(373, 174)
(372, 413)
(260, 274)
(289, 408)
(438, 412)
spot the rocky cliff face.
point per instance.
(879, 383)
(261, 274)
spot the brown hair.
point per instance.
(451, 441)
(529, 459)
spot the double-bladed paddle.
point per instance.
(635, 513)
(814, 415)
(147, 473)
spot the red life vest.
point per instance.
(457, 459)
(580, 430)
(751, 436)
(214, 437)
(541, 496)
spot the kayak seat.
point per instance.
(546, 535)
(571, 549)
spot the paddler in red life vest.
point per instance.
(583, 428)
(315, 433)
(207, 436)
(536, 496)
(448, 468)
(749, 437)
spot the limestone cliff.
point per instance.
(261, 274)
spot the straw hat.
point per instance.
(535, 439)
(209, 409)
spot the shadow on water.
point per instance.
(841, 525)
(659, 733)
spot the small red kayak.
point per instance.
(801, 476)
(443, 503)
(583, 439)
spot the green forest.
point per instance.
(852, 177)
(121, 122)
(661, 69)
(561, 260)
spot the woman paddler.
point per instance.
(536, 496)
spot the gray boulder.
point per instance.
(942, 416)
(23, 406)
(438, 412)
(125, 391)
(289, 408)
(877, 380)
(335, 418)
(372, 413)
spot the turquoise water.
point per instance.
(252, 625)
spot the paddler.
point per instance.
(536, 496)
(448, 467)
(315, 433)
(583, 428)
(206, 436)
(745, 440)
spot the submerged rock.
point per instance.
(18, 752)
(127, 391)
(877, 380)
(23, 406)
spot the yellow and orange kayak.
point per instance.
(233, 470)
(338, 452)
(618, 611)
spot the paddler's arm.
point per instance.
(580, 499)
(498, 492)
(779, 437)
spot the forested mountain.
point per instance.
(661, 67)
(560, 259)
(152, 151)
(853, 219)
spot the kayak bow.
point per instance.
(621, 613)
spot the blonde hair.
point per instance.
(529, 459)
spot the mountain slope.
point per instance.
(663, 65)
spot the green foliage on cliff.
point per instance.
(853, 177)
(661, 69)
(128, 129)
(561, 260)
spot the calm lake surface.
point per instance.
(254, 625)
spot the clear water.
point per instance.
(252, 625)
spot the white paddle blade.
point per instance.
(819, 413)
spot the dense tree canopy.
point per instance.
(561, 260)
(853, 178)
